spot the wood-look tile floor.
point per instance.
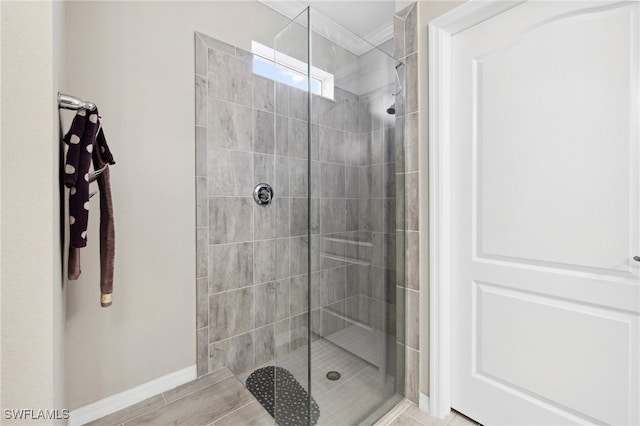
(217, 399)
(408, 414)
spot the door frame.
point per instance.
(440, 31)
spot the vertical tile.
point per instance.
(264, 344)
(264, 261)
(389, 250)
(364, 119)
(332, 145)
(298, 139)
(230, 220)
(282, 99)
(353, 149)
(333, 287)
(411, 143)
(376, 146)
(412, 375)
(412, 182)
(298, 104)
(370, 182)
(352, 116)
(202, 202)
(401, 258)
(263, 93)
(201, 151)
(389, 216)
(332, 178)
(352, 216)
(263, 169)
(299, 255)
(412, 319)
(282, 182)
(202, 252)
(411, 94)
(282, 299)
(230, 313)
(298, 295)
(389, 181)
(298, 332)
(298, 174)
(264, 221)
(232, 266)
(265, 304)
(201, 101)
(400, 201)
(282, 135)
(400, 121)
(202, 351)
(412, 256)
(282, 337)
(329, 113)
(281, 207)
(371, 217)
(398, 37)
(352, 277)
(263, 132)
(332, 215)
(202, 302)
(235, 353)
(333, 319)
(411, 31)
(281, 258)
(299, 221)
(230, 78)
(389, 144)
(229, 125)
(228, 173)
(316, 289)
(201, 56)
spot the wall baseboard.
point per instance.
(119, 401)
(424, 403)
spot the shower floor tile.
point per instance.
(346, 401)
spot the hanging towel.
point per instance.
(101, 158)
(87, 142)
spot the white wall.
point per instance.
(31, 315)
(135, 60)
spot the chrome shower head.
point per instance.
(392, 109)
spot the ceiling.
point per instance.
(370, 19)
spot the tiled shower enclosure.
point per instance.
(252, 261)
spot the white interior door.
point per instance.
(545, 215)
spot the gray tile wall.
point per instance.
(252, 260)
(408, 171)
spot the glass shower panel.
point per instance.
(293, 402)
(337, 211)
(353, 228)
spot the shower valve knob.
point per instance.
(636, 258)
(263, 193)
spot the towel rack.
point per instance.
(71, 102)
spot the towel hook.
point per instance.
(71, 102)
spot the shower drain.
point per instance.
(333, 375)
